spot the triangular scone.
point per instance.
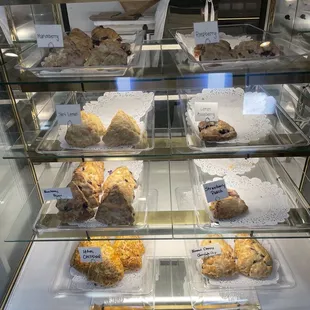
(123, 130)
(93, 122)
(219, 266)
(81, 136)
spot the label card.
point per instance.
(68, 114)
(206, 111)
(206, 32)
(49, 36)
(57, 193)
(215, 190)
(206, 251)
(90, 255)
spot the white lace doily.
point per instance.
(225, 166)
(267, 203)
(230, 109)
(258, 103)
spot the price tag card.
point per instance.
(49, 36)
(206, 111)
(57, 193)
(206, 251)
(215, 190)
(68, 114)
(206, 32)
(90, 255)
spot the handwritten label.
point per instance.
(68, 114)
(206, 251)
(57, 193)
(206, 32)
(90, 255)
(206, 111)
(215, 190)
(49, 36)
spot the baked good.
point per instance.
(218, 266)
(100, 33)
(123, 130)
(82, 41)
(108, 272)
(253, 260)
(130, 252)
(214, 51)
(216, 131)
(228, 207)
(94, 122)
(81, 136)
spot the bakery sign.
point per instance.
(68, 114)
(215, 190)
(206, 251)
(90, 254)
(57, 193)
(206, 111)
(206, 32)
(49, 36)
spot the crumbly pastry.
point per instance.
(219, 266)
(253, 260)
(109, 272)
(81, 136)
(130, 252)
(123, 130)
(100, 33)
(82, 41)
(214, 51)
(216, 131)
(94, 122)
(228, 207)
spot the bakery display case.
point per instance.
(132, 199)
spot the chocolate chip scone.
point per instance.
(253, 260)
(216, 131)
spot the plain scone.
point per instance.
(219, 266)
(123, 130)
(253, 260)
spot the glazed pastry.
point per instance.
(100, 33)
(219, 266)
(123, 130)
(94, 122)
(216, 131)
(228, 207)
(107, 273)
(81, 136)
(253, 260)
(130, 252)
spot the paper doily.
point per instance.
(230, 109)
(258, 103)
(222, 167)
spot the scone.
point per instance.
(216, 131)
(81, 136)
(93, 122)
(82, 41)
(228, 207)
(219, 266)
(122, 131)
(214, 51)
(253, 260)
(107, 273)
(130, 252)
(100, 33)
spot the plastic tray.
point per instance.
(263, 129)
(281, 279)
(47, 220)
(133, 284)
(32, 63)
(235, 34)
(51, 141)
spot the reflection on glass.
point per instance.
(258, 103)
(217, 80)
(123, 84)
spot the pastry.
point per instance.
(93, 122)
(253, 260)
(130, 252)
(82, 41)
(100, 33)
(108, 272)
(216, 131)
(123, 130)
(81, 136)
(228, 207)
(219, 266)
(214, 51)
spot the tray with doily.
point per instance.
(49, 219)
(136, 104)
(257, 121)
(279, 278)
(69, 281)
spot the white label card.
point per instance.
(206, 32)
(90, 255)
(57, 193)
(206, 111)
(68, 114)
(206, 251)
(215, 190)
(49, 36)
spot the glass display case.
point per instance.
(114, 162)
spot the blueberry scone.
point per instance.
(228, 207)
(216, 131)
(219, 266)
(100, 33)
(253, 260)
